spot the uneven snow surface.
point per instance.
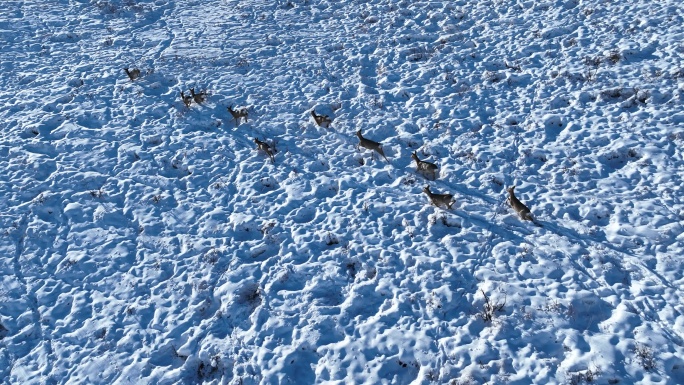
(145, 242)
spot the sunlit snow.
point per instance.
(149, 242)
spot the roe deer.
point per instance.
(321, 120)
(518, 206)
(265, 147)
(439, 199)
(187, 99)
(238, 114)
(370, 145)
(200, 97)
(132, 74)
(425, 167)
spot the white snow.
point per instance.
(149, 243)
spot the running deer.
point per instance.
(199, 97)
(265, 147)
(370, 145)
(321, 120)
(439, 199)
(425, 167)
(187, 99)
(238, 114)
(518, 206)
(132, 74)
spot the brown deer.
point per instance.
(132, 74)
(265, 147)
(321, 120)
(199, 97)
(238, 114)
(518, 206)
(187, 99)
(425, 167)
(370, 145)
(439, 199)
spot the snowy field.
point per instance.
(146, 242)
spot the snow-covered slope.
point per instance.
(147, 242)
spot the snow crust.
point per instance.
(145, 242)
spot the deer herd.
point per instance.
(424, 167)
